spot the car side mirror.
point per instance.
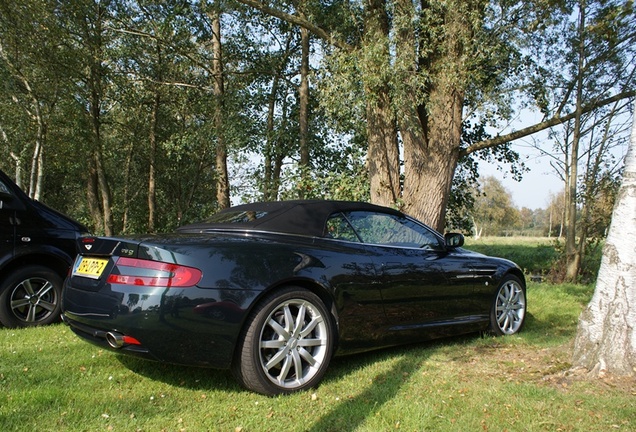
(454, 240)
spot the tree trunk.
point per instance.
(222, 177)
(36, 161)
(572, 255)
(270, 189)
(92, 197)
(429, 165)
(97, 172)
(152, 138)
(152, 181)
(383, 156)
(606, 336)
(431, 129)
(383, 151)
(303, 94)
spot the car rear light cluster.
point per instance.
(139, 272)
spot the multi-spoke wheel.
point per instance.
(30, 296)
(509, 307)
(287, 344)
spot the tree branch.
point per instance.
(294, 19)
(503, 139)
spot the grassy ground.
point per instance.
(51, 380)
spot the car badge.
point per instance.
(88, 247)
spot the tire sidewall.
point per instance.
(494, 326)
(247, 363)
(7, 287)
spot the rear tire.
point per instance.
(508, 311)
(286, 345)
(30, 296)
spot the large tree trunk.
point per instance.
(431, 129)
(383, 156)
(429, 164)
(606, 335)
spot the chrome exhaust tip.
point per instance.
(115, 340)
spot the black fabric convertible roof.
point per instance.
(305, 217)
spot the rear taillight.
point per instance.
(133, 271)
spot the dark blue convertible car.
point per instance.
(274, 290)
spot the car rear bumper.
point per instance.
(188, 327)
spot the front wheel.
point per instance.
(30, 296)
(508, 311)
(287, 344)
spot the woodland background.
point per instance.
(140, 116)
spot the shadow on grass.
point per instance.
(352, 412)
(550, 328)
(354, 407)
(190, 377)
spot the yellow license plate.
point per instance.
(89, 267)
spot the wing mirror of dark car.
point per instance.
(454, 240)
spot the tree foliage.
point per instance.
(494, 211)
(111, 109)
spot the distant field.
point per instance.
(537, 256)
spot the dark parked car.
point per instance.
(37, 248)
(273, 290)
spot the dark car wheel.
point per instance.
(509, 307)
(30, 296)
(287, 343)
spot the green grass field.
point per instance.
(537, 256)
(534, 255)
(52, 381)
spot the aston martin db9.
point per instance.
(274, 290)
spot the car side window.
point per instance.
(4, 188)
(339, 228)
(391, 230)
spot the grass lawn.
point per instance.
(50, 380)
(535, 255)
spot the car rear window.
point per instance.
(4, 188)
(236, 217)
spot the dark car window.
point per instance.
(391, 230)
(237, 217)
(339, 228)
(4, 188)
